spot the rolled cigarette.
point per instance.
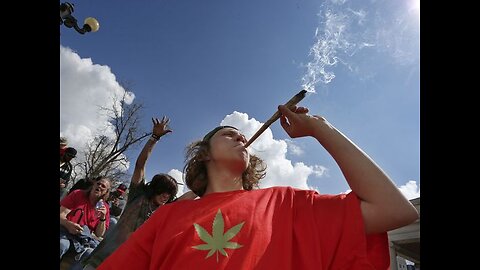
(292, 102)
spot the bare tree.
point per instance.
(75, 171)
(105, 155)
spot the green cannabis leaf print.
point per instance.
(218, 241)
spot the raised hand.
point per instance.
(160, 127)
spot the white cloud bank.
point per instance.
(85, 87)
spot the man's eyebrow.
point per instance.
(231, 131)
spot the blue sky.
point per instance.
(203, 63)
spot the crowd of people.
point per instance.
(91, 232)
(226, 221)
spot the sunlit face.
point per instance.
(227, 148)
(161, 199)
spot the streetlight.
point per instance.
(66, 18)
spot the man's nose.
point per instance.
(240, 138)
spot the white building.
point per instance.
(404, 243)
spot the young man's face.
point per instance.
(227, 149)
(161, 199)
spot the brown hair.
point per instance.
(195, 170)
(161, 183)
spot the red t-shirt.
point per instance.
(77, 201)
(273, 228)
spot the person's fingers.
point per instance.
(153, 120)
(285, 111)
(284, 123)
(290, 115)
(301, 110)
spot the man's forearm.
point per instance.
(383, 205)
(145, 153)
(139, 171)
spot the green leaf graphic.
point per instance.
(218, 225)
(233, 231)
(232, 245)
(217, 242)
(202, 233)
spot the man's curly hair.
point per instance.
(195, 170)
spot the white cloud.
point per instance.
(320, 170)
(294, 148)
(280, 170)
(178, 176)
(410, 190)
(85, 87)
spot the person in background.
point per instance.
(63, 145)
(117, 203)
(235, 225)
(66, 169)
(122, 188)
(143, 199)
(82, 223)
(84, 183)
